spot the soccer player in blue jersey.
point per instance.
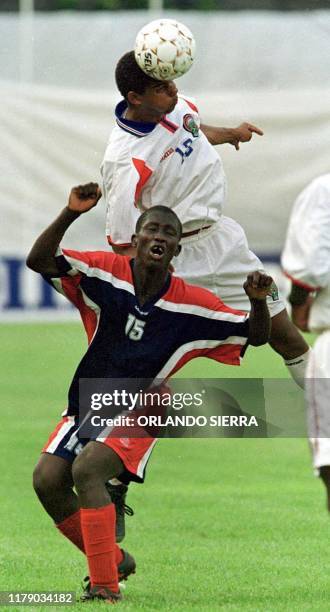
(141, 323)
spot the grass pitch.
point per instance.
(219, 524)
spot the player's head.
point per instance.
(140, 90)
(157, 235)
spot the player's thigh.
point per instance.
(96, 461)
(220, 260)
(53, 470)
(213, 259)
(52, 473)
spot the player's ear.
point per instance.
(134, 98)
(178, 250)
(134, 241)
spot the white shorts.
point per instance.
(317, 389)
(219, 259)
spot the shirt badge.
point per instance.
(190, 125)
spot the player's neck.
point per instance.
(142, 115)
(148, 282)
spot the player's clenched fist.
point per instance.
(84, 197)
(257, 285)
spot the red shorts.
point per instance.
(134, 452)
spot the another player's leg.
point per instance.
(117, 490)
(325, 476)
(93, 467)
(318, 414)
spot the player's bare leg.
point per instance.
(325, 475)
(286, 340)
(117, 490)
(52, 482)
(93, 467)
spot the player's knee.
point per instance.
(95, 465)
(83, 473)
(51, 476)
(43, 482)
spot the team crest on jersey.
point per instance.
(190, 125)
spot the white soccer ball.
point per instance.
(165, 49)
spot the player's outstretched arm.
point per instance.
(233, 136)
(257, 287)
(42, 255)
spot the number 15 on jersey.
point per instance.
(134, 327)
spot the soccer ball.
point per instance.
(165, 49)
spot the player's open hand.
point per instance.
(84, 197)
(244, 133)
(258, 285)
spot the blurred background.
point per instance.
(265, 61)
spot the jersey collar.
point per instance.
(138, 128)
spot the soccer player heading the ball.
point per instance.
(172, 318)
(159, 152)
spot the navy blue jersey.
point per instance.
(127, 340)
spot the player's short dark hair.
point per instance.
(130, 77)
(164, 209)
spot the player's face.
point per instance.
(160, 98)
(157, 240)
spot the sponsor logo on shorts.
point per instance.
(125, 441)
(190, 125)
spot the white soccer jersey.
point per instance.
(306, 255)
(169, 163)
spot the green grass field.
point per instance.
(219, 524)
